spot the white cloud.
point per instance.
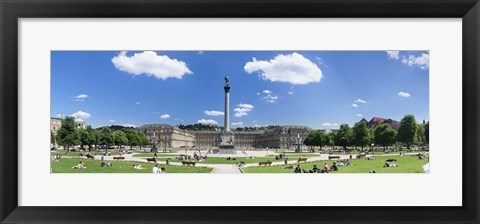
(292, 68)
(79, 98)
(404, 94)
(258, 94)
(360, 101)
(80, 114)
(354, 105)
(422, 61)
(359, 115)
(271, 99)
(200, 52)
(267, 91)
(242, 109)
(128, 125)
(290, 92)
(237, 123)
(112, 121)
(165, 116)
(207, 121)
(246, 105)
(60, 115)
(138, 103)
(178, 119)
(149, 63)
(214, 113)
(257, 126)
(329, 124)
(393, 54)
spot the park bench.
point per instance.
(330, 157)
(302, 159)
(265, 163)
(186, 163)
(151, 160)
(118, 158)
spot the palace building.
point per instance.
(168, 136)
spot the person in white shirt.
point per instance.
(156, 170)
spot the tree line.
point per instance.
(69, 135)
(360, 135)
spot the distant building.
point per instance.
(375, 121)
(167, 136)
(55, 124)
(282, 137)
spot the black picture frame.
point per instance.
(11, 11)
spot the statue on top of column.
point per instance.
(227, 80)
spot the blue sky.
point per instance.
(320, 89)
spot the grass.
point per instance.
(150, 155)
(406, 164)
(93, 166)
(94, 153)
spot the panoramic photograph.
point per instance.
(240, 112)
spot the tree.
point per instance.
(361, 134)
(67, 134)
(120, 138)
(105, 137)
(142, 139)
(52, 138)
(407, 130)
(319, 138)
(427, 132)
(384, 135)
(309, 140)
(421, 134)
(344, 136)
(330, 139)
(132, 137)
(83, 137)
(92, 137)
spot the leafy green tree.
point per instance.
(120, 138)
(67, 134)
(384, 135)
(407, 130)
(52, 138)
(83, 137)
(92, 137)
(330, 139)
(427, 132)
(344, 136)
(361, 134)
(132, 137)
(319, 139)
(421, 134)
(309, 140)
(105, 137)
(142, 139)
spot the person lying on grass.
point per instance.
(137, 167)
(79, 166)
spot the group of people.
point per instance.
(315, 169)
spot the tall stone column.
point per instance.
(227, 108)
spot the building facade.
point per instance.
(167, 136)
(55, 124)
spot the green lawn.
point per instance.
(406, 164)
(64, 153)
(93, 166)
(150, 155)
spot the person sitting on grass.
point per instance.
(334, 166)
(79, 166)
(156, 170)
(162, 170)
(137, 167)
(390, 165)
(297, 169)
(315, 169)
(326, 168)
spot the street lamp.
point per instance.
(373, 151)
